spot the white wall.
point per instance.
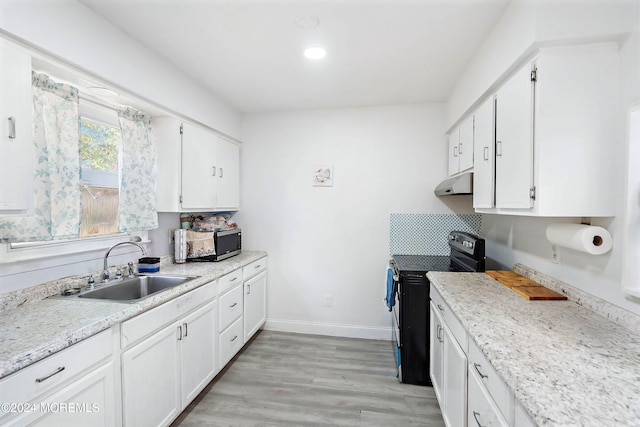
(335, 240)
(74, 33)
(522, 239)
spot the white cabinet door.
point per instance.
(482, 409)
(454, 160)
(91, 401)
(484, 160)
(436, 355)
(514, 141)
(228, 175)
(151, 380)
(465, 146)
(255, 304)
(198, 351)
(231, 341)
(199, 168)
(16, 142)
(454, 381)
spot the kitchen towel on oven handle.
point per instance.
(391, 289)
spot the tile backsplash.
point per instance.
(426, 234)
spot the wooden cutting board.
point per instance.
(524, 287)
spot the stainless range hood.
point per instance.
(461, 184)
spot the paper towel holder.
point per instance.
(586, 238)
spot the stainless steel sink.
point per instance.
(136, 288)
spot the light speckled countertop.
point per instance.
(567, 365)
(37, 326)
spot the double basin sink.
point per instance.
(135, 288)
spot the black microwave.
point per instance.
(226, 243)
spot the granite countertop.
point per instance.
(565, 364)
(39, 326)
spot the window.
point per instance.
(100, 144)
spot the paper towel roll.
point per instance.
(584, 238)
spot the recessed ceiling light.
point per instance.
(315, 52)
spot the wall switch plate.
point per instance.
(555, 254)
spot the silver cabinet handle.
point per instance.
(455, 151)
(248, 289)
(485, 154)
(179, 333)
(57, 371)
(477, 367)
(234, 279)
(441, 308)
(233, 305)
(258, 266)
(498, 148)
(185, 329)
(460, 148)
(12, 127)
(475, 416)
(214, 171)
(439, 333)
(234, 338)
(221, 173)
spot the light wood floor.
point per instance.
(295, 379)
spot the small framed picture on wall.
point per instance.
(322, 176)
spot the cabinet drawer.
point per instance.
(150, 321)
(250, 270)
(230, 307)
(479, 364)
(46, 374)
(458, 331)
(482, 410)
(231, 342)
(228, 281)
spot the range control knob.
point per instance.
(467, 244)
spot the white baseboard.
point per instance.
(330, 329)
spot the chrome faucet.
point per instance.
(105, 271)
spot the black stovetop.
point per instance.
(422, 263)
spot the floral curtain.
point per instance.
(56, 163)
(137, 172)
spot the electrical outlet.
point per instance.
(328, 300)
(555, 254)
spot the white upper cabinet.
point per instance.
(556, 150)
(514, 141)
(461, 147)
(197, 170)
(228, 184)
(16, 141)
(484, 152)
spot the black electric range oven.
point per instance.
(410, 312)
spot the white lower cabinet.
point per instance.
(151, 380)
(255, 297)
(75, 386)
(165, 371)
(448, 366)
(482, 410)
(469, 390)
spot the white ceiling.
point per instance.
(249, 52)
